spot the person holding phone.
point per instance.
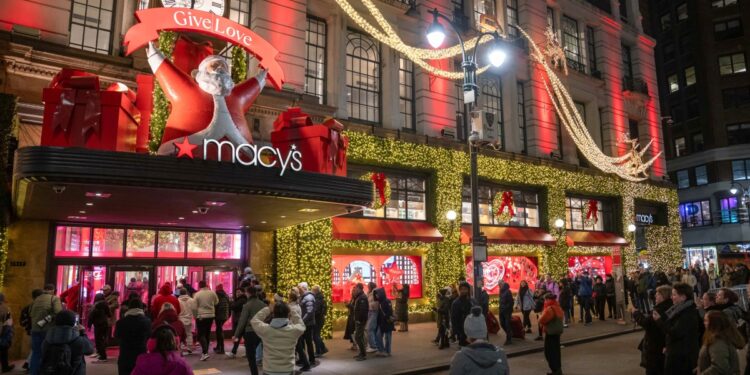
(65, 336)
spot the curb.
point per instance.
(583, 340)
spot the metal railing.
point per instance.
(634, 85)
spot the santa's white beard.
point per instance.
(215, 83)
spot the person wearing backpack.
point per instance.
(43, 310)
(133, 331)
(26, 322)
(65, 346)
(551, 322)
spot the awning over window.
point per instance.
(510, 235)
(354, 228)
(587, 238)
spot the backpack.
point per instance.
(58, 360)
(539, 304)
(26, 319)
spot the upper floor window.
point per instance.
(521, 113)
(511, 15)
(738, 133)
(728, 29)
(683, 179)
(578, 208)
(701, 175)
(239, 11)
(732, 64)
(729, 210)
(551, 19)
(406, 93)
(680, 147)
(591, 49)
(572, 43)
(483, 7)
(736, 97)
(624, 10)
(362, 77)
(682, 12)
(91, 23)
(695, 214)
(690, 76)
(491, 103)
(627, 63)
(665, 21)
(697, 138)
(722, 3)
(674, 83)
(669, 52)
(315, 58)
(526, 204)
(741, 170)
(408, 198)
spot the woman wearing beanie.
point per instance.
(551, 322)
(65, 332)
(479, 357)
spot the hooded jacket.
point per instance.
(551, 310)
(79, 346)
(249, 310)
(480, 358)
(155, 364)
(205, 302)
(133, 330)
(187, 306)
(164, 296)
(385, 311)
(171, 318)
(279, 339)
(506, 300)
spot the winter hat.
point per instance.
(65, 318)
(248, 270)
(475, 325)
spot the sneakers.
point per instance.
(204, 357)
(381, 354)
(371, 350)
(360, 358)
(231, 355)
(305, 369)
(565, 326)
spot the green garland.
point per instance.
(8, 128)
(167, 40)
(239, 64)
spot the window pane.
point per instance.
(72, 241)
(729, 212)
(171, 244)
(200, 245)
(683, 180)
(140, 243)
(690, 76)
(416, 206)
(738, 170)
(228, 245)
(701, 176)
(108, 242)
(674, 85)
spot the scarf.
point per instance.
(676, 309)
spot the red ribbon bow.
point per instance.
(506, 201)
(593, 210)
(379, 180)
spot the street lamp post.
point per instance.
(436, 36)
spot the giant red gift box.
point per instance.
(323, 147)
(78, 114)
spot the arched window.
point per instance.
(491, 103)
(360, 271)
(363, 77)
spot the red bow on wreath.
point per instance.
(506, 201)
(593, 210)
(379, 180)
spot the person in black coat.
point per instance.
(600, 297)
(609, 287)
(361, 308)
(133, 331)
(385, 323)
(506, 311)
(349, 331)
(460, 309)
(683, 328)
(321, 310)
(99, 318)
(66, 331)
(652, 344)
(236, 306)
(443, 318)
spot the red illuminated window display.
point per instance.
(108, 243)
(140, 243)
(171, 245)
(512, 270)
(384, 270)
(228, 245)
(200, 245)
(72, 241)
(596, 265)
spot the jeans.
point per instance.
(505, 317)
(308, 338)
(372, 329)
(600, 300)
(320, 346)
(384, 339)
(301, 356)
(259, 352)
(567, 312)
(359, 337)
(220, 336)
(37, 338)
(204, 332)
(526, 319)
(585, 302)
(611, 300)
(552, 353)
(251, 343)
(101, 334)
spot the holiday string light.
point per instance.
(158, 122)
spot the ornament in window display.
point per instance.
(506, 208)
(393, 275)
(592, 213)
(381, 189)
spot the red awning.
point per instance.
(510, 235)
(353, 228)
(586, 238)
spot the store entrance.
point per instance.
(127, 280)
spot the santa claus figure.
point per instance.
(206, 106)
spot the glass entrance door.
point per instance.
(223, 276)
(132, 280)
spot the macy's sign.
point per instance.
(252, 155)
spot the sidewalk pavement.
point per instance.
(413, 352)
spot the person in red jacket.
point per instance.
(71, 297)
(551, 322)
(165, 295)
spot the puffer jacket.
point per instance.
(165, 296)
(80, 345)
(221, 309)
(43, 306)
(480, 358)
(307, 304)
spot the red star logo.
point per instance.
(185, 148)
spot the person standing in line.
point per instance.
(279, 337)
(652, 345)
(245, 328)
(168, 316)
(609, 288)
(361, 307)
(164, 296)
(682, 326)
(43, 311)
(506, 312)
(65, 340)
(222, 313)
(551, 286)
(552, 325)
(372, 319)
(113, 302)
(443, 318)
(525, 302)
(585, 290)
(713, 277)
(402, 308)
(187, 310)
(385, 323)
(27, 323)
(721, 340)
(133, 330)
(479, 357)
(99, 318)
(460, 309)
(164, 359)
(566, 301)
(349, 331)
(482, 297)
(205, 302)
(240, 298)
(599, 294)
(6, 335)
(308, 316)
(302, 360)
(321, 310)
